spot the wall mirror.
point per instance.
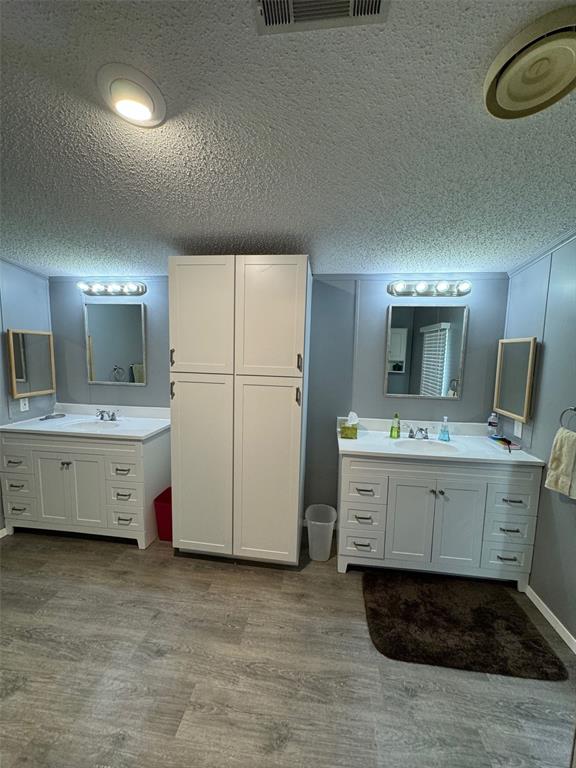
(425, 351)
(514, 377)
(31, 360)
(115, 343)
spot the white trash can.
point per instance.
(320, 519)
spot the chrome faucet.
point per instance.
(421, 433)
(106, 415)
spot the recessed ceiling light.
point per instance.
(535, 69)
(132, 95)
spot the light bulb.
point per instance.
(130, 288)
(442, 286)
(83, 286)
(97, 288)
(131, 100)
(421, 287)
(114, 288)
(133, 110)
(464, 287)
(400, 286)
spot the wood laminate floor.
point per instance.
(112, 657)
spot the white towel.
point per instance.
(561, 475)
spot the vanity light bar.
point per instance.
(429, 287)
(112, 289)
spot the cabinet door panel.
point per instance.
(270, 315)
(410, 519)
(87, 489)
(52, 471)
(202, 445)
(266, 468)
(458, 523)
(202, 314)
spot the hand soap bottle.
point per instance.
(395, 428)
(444, 433)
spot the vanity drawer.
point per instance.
(360, 467)
(507, 527)
(125, 494)
(20, 510)
(18, 485)
(358, 516)
(119, 468)
(519, 499)
(512, 557)
(367, 490)
(121, 518)
(17, 461)
(359, 544)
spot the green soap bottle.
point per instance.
(395, 428)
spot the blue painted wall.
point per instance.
(347, 363)
(67, 303)
(542, 303)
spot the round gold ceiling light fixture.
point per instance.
(535, 69)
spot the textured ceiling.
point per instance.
(369, 148)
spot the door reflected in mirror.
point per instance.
(115, 343)
(425, 351)
(31, 358)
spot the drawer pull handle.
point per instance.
(362, 544)
(124, 520)
(365, 491)
(14, 462)
(510, 530)
(441, 493)
(18, 510)
(507, 559)
(16, 486)
(121, 471)
(367, 518)
(433, 491)
(299, 361)
(123, 495)
(172, 356)
(512, 501)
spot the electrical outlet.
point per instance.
(24, 404)
(518, 429)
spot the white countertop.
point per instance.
(460, 448)
(77, 425)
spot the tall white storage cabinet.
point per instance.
(238, 337)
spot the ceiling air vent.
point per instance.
(274, 16)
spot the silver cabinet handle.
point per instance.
(172, 356)
(512, 501)
(510, 530)
(507, 559)
(123, 495)
(362, 544)
(17, 510)
(365, 491)
(368, 518)
(442, 493)
(121, 471)
(299, 361)
(298, 395)
(16, 486)
(171, 390)
(433, 491)
(124, 520)
(14, 462)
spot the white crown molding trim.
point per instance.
(552, 619)
(543, 252)
(3, 532)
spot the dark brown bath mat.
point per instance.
(447, 621)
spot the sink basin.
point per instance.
(93, 426)
(425, 446)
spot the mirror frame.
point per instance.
(10, 334)
(87, 343)
(525, 415)
(462, 349)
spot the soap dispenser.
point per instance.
(444, 434)
(395, 428)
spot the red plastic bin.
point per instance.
(163, 509)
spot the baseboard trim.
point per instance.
(552, 619)
(3, 532)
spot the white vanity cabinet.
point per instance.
(440, 516)
(88, 485)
